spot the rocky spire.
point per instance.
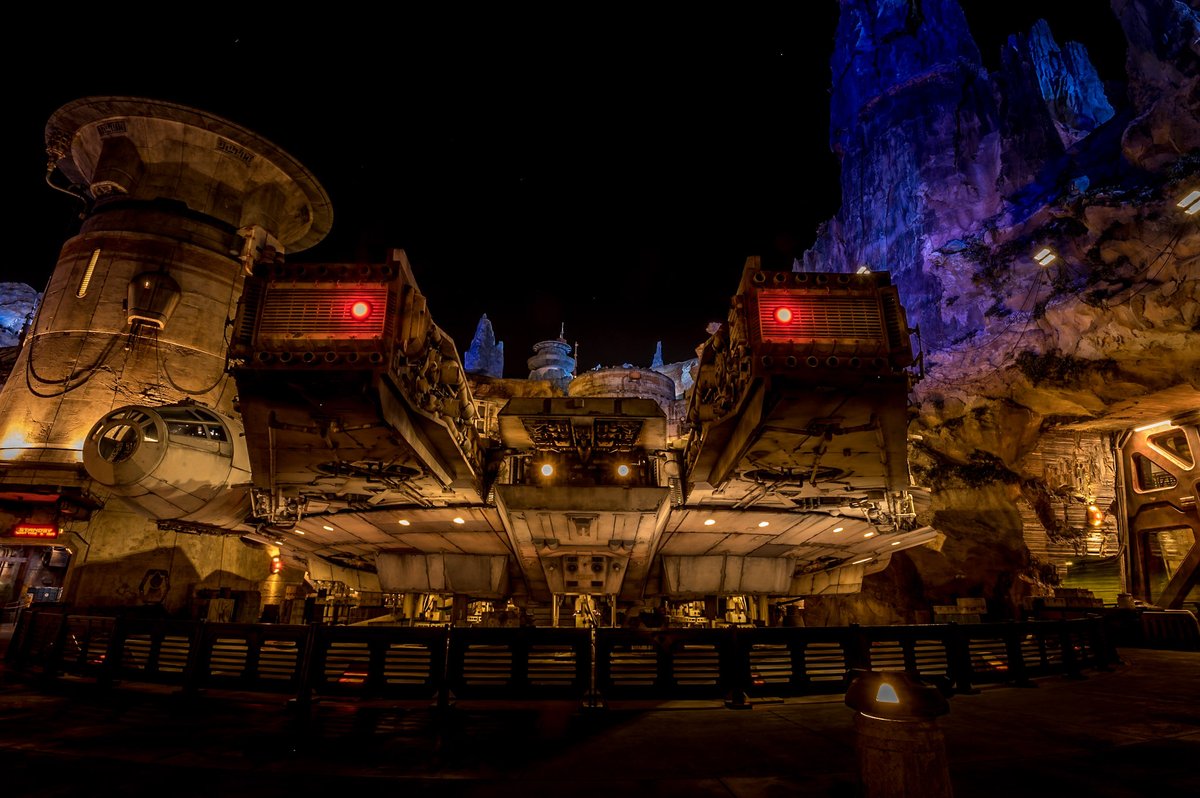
(658, 360)
(1068, 82)
(485, 356)
(1162, 63)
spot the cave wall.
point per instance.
(954, 179)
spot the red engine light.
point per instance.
(360, 309)
(276, 565)
(783, 315)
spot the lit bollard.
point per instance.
(901, 751)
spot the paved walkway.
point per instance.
(1133, 731)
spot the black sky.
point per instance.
(606, 169)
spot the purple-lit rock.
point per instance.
(1069, 84)
(485, 355)
(18, 303)
(1163, 66)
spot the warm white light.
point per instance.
(764, 523)
(709, 521)
(298, 531)
(1151, 426)
(838, 528)
(863, 270)
(886, 694)
(547, 470)
(1190, 203)
(623, 470)
(327, 527)
(860, 562)
(403, 522)
(1045, 257)
(459, 520)
(868, 534)
(87, 274)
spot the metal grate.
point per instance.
(136, 652)
(695, 664)
(488, 665)
(322, 312)
(819, 317)
(770, 663)
(406, 663)
(929, 657)
(988, 656)
(633, 666)
(347, 663)
(887, 655)
(552, 665)
(228, 656)
(824, 662)
(277, 659)
(173, 653)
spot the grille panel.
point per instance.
(322, 312)
(819, 317)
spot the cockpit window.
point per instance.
(1174, 442)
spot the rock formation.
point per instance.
(954, 180)
(485, 356)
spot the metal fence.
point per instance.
(532, 663)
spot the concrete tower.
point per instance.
(180, 205)
(120, 388)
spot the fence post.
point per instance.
(445, 699)
(197, 661)
(592, 698)
(52, 655)
(958, 657)
(736, 664)
(113, 653)
(1013, 634)
(304, 688)
(1070, 661)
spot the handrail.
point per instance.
(546, 663)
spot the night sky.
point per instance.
(606, 169)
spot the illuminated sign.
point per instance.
(35, 531)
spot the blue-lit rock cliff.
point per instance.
(954, 180)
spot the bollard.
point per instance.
(901, 751)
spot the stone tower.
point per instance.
(179, 206)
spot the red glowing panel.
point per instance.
(35, 531)
(783, 315)
(360, 309)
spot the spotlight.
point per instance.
(1190, 203)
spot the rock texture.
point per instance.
(954, 179)
(18, 303)
(485, 356)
